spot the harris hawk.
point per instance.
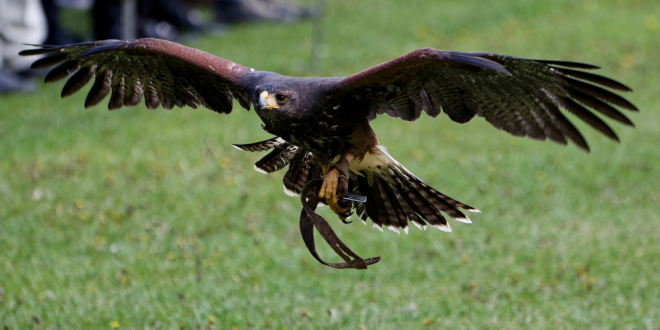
(320, 126)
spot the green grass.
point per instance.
(150, 219)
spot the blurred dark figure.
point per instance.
(21, 21)
(56, 34)
(106, 19)
(167, 19)
(163, 19)
(228, 12)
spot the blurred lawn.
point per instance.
(149, 219)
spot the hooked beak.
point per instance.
(267, 101)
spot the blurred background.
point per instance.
(58, 22)
(150, 219)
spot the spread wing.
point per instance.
(159, 71)
(524, 97)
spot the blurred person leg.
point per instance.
(173, 12)
(21, 21)
(231, 12)
(166, 19)
(106, 19)
(156, 19)
(56, 34)
(240, 11)
(282, 11)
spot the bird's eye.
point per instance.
(281, 98)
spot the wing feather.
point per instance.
(601, 80)
(163, 73)
(100, 89)
(591, 119)
(600, 93)
(49, 60)
(62, 71)
(600, 106)
(524, 97)
(78, 80)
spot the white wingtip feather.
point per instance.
(259, 170)
(289, 192)
(464, 220)
(474, 210)
(378, 227)
(444, 228)
(394, 229)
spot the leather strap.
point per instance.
(309, 220)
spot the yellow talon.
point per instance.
(328, 193)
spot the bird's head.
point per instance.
(282, 96)
(275, 100)
(277, 107)
(286, 102)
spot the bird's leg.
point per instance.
(335, 185)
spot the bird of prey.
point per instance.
(321, 126)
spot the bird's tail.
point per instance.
(396, 196)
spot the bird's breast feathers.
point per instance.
(375, 160)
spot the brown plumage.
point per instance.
(321, 125)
